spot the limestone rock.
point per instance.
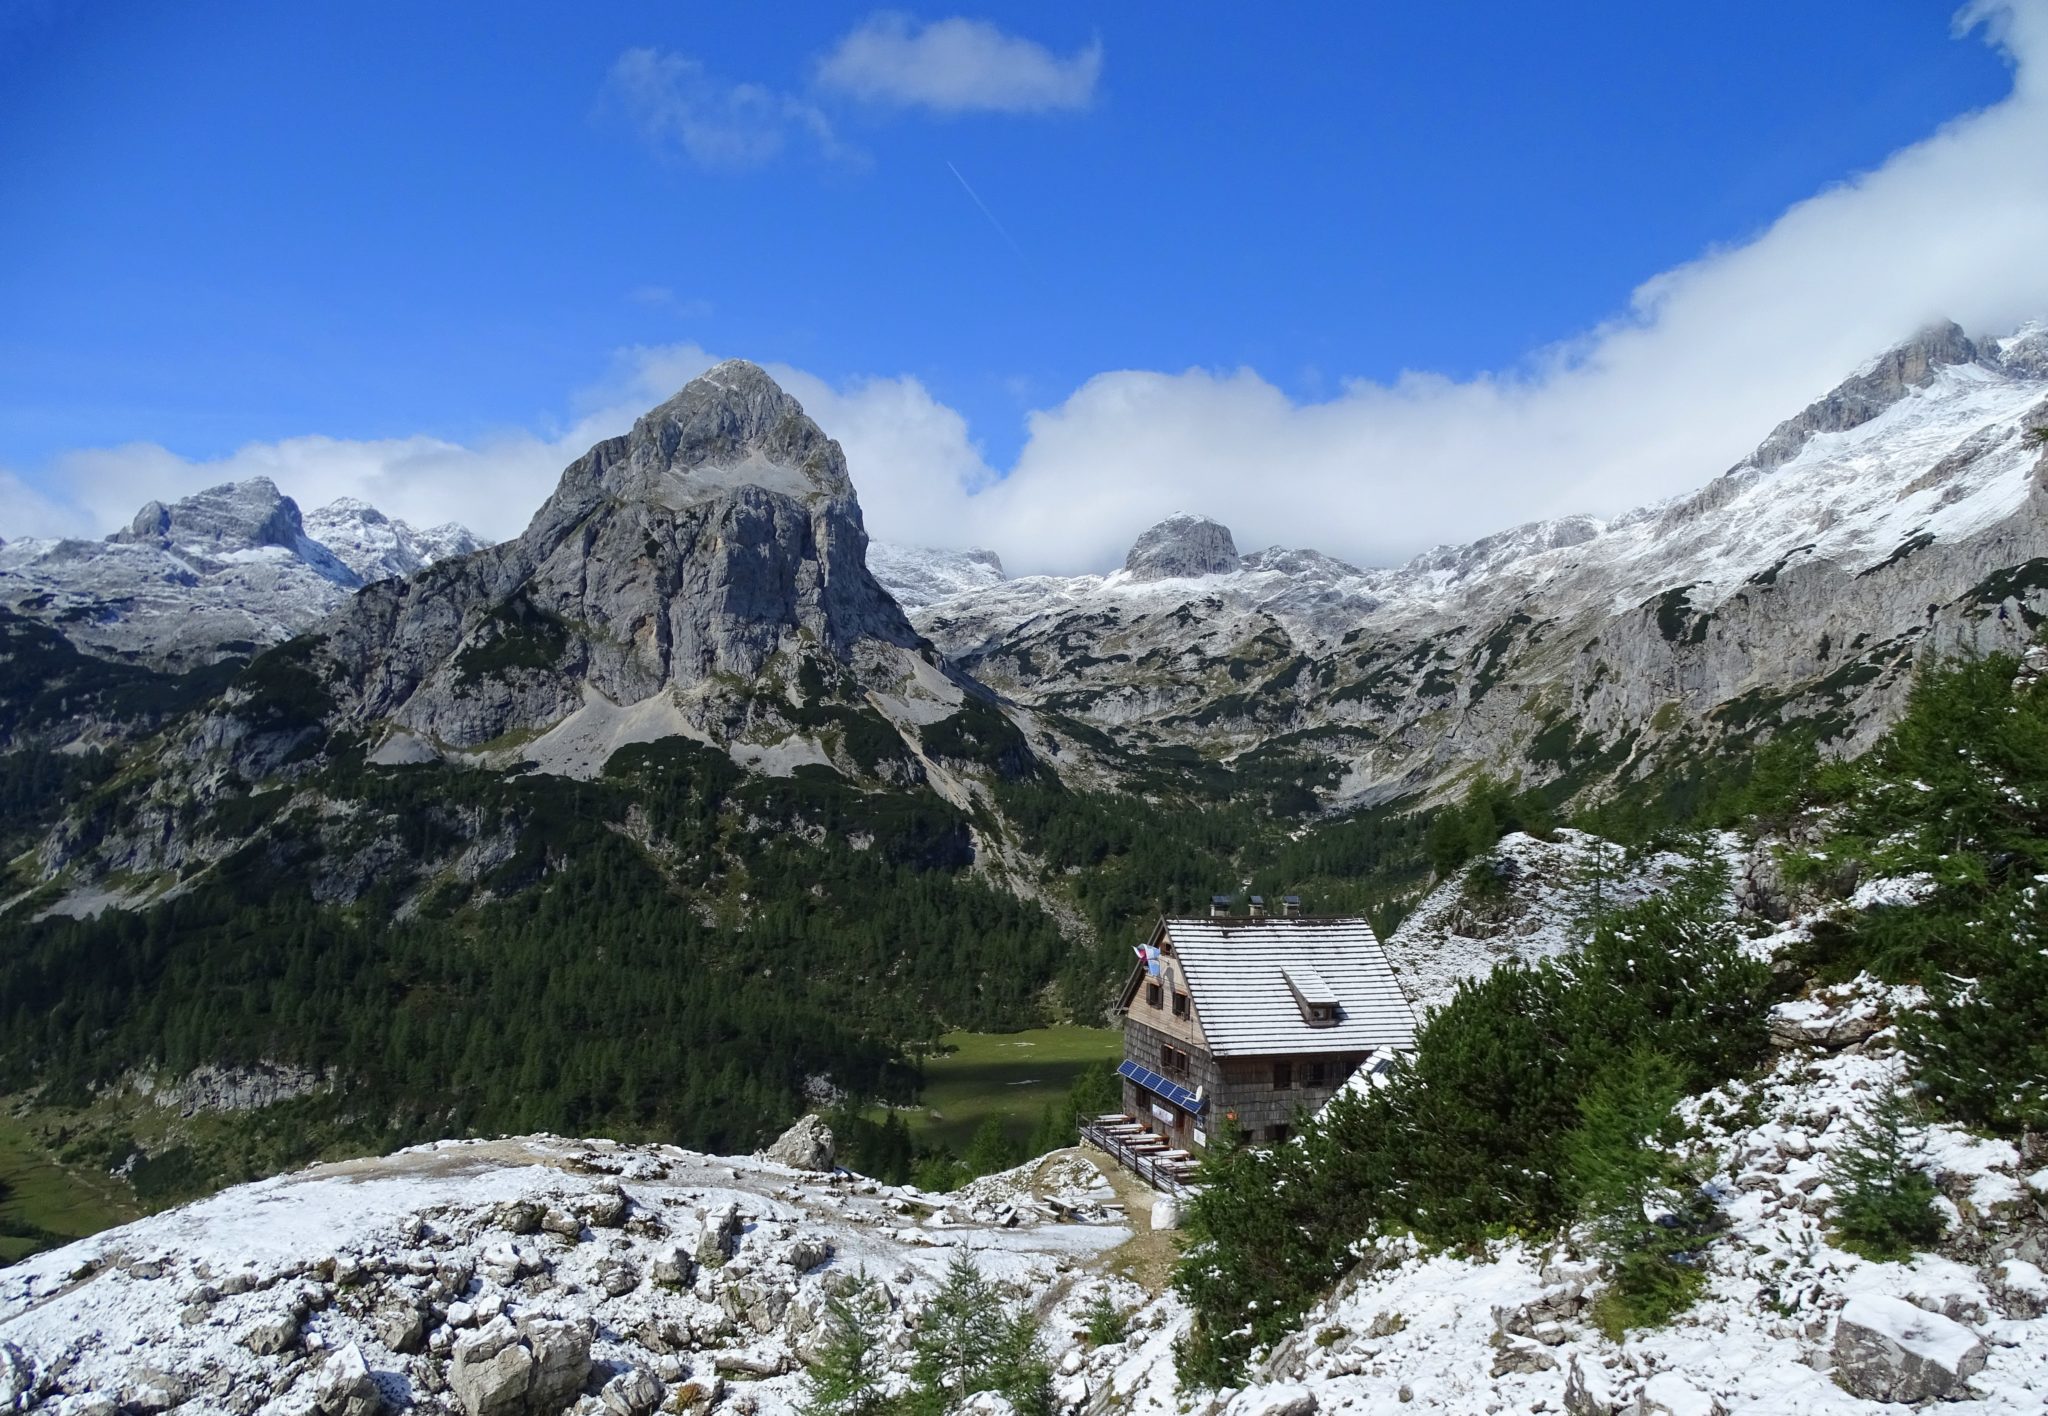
(807, 1145)
(633, 1392)
(1888, 1350)
(1283, 1399)
(491, 1377)
(266, 1337)
(404, 1330)
(344, 1386)
(1586, 1394)
(719, 1237)
(1182, 547)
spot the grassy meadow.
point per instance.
(1011, 1075)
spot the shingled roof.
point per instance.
(1238, 972)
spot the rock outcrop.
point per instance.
(677, 562)
(805, 1146)
(1182, 547)
(1888, 1350)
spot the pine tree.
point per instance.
(1884, 1200)
(965, 1343)
(846, 1379)
(1644, 1211)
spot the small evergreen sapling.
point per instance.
(847, 1377)
(967, 1342)
(1107, 1323)
(1884, 1200)
(1644, 1209)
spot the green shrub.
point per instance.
(1884, 1200)
(1107, 1323)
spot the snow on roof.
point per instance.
(1312, 986)
(1239, 971)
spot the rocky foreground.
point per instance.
(543, 1275)
(521, 1276)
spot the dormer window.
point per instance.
(1316, 999)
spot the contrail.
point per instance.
(975, 197)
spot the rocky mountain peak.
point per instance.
(234, 516)
(1870, 390)
(1182, 546)
(730, 426)
(377, 547)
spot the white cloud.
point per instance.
(678, 106)
(492, 485)
(958, 66)
(1706, 360)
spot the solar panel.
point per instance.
(1173, 1091)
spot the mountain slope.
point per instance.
(217, 576)
(670, 770)
(378, 547)
(1900, 516)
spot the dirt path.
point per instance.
(1148, 1256)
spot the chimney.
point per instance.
(1258, 907)
(1219, 906)
(1290, 906)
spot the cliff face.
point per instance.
(702, 578)
(681, 560)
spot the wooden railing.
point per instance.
(1142, 1159)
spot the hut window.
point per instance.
(1283, 1076)
(1180, 1004)
(1152, 995)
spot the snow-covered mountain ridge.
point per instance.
(1900, 516)
(224, 572)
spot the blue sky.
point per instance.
(248, 223)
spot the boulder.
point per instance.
(1888, 1350)
(720, 1235)
(561, 1361)
(491, 1370)
(633, 1392)
(673, 1267)
(1283, 1399)
(805, 1146)
(604, 1207)
(344, 1386)
(266, 1337)
(520, 1216)
(615, 1276)
(403, 1330)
